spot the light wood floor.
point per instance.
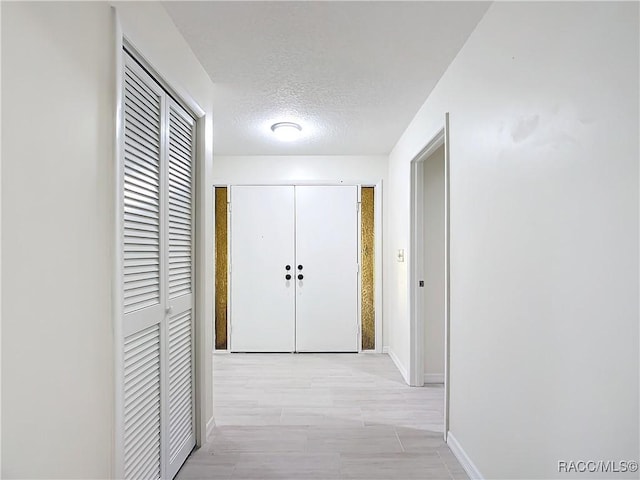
(321, 416)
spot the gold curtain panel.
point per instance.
(221, 268)
(368, 269)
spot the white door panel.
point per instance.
(179, 424)
(143, 293)
(262, 244)
(327, 250)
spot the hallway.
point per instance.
(322, 416)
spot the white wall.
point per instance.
(292, 168)
(57, 350)
(434, 266)
(544, 153)
(58, 119)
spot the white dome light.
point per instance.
(286, 131)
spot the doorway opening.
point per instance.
(429, 266)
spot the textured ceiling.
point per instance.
(353, 74)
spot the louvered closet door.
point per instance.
(180, 425)
(157, 424)
(143, 271)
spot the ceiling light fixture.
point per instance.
(286, 131)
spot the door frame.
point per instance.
(416, 265)
(122, 42)
(377, 183)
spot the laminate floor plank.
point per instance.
(321, 416)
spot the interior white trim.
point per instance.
(331, 181)
(379, 268)
(416, 255)
(401, 368)
(118, 377)
(447, 274)
(359, 262)
(433, 378)
(463, 458)
(385, 349)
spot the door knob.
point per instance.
(299, 267)
(300, 277)
(168, 309)
(287, 277)
(287, 268)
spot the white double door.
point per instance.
(294, 269)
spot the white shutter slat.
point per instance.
(141, 262)
(180, 381)
(182, 137)
(183, 212)
(143, 211)
(141, 251)
(146, 221)
(150, 257)
(144, 94)
(142, 237)
(182, 173)
(132, 292)
(142, 405)
(180, 208)
(144, 283)
(180, 205)
(181, 229)
(134, 269)
(142, 471)
(148, 136)
(136, 398)
(140, 158)
(140, 177)
(184, 176)
(180, 194)
(183, 130)
(138, 118)
(180, 190)
(141, 192)
(137, 172)
(144, 107)
(139, 143)
(182, 141)
(141, 275)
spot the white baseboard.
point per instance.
(463, 458)
(210, 426)
(433, 378)
(385, 349)
(399, 366)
